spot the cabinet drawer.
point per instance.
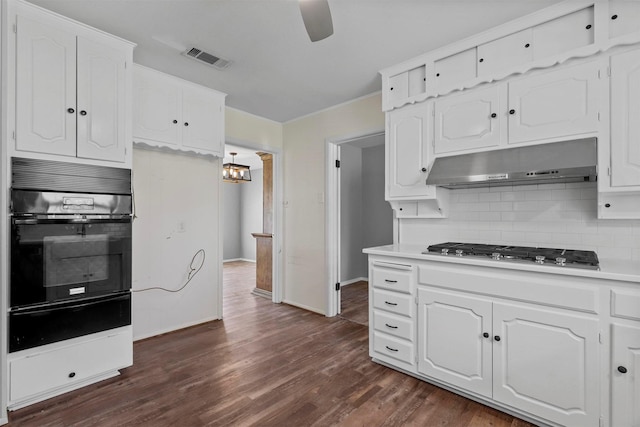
(393, 325)
(394, 302)
(625, 304)
(392, 279)
(393, 347)
(45, 371)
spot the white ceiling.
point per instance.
(245, 156)
(277, 73)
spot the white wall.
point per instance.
(250, 214)
(304, 145)
(353, 263)
(547, 215)
(231, 198)
(377, 219)
(173, 191)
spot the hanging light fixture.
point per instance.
(232, 172)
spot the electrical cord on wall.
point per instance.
(192, 273)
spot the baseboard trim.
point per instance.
(261, 293)
(239, 259)
(304, 307)
(352, 281)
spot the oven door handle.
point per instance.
(72, 220)
(25, 221)
(50, 308)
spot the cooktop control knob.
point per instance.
(445, 251)
(561, 261)
(496, 255)
(459, 252)
(540, 259)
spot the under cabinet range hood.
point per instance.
(566, 161)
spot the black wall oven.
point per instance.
(70, 251)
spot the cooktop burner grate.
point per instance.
(542, 256)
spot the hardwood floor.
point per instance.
(264, 365)
(355, 302)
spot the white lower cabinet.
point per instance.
(625, 375)
(541, 361)
(43, 372)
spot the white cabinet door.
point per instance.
(504, 53)
(100, 101)
(624, 16)
(157, 107)
(625, 376)
(46, 89)
(201, 118)
(469, 120)
(563, 34)
(454, 340)
(453, 70)
(546, 363)
(625, 119)
(408, 139)
(557, 103)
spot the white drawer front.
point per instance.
(393, 347)
(393, 302)
(393, 325)
(625, 304)
(394, 280)
(42, 372)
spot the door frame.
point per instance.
(276, 275)
(332, 154)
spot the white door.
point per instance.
(625, 119)
(46, 89)
(557, 103)
(470, 120)
(625, 376)
(546, 363)
(454, 339)
(101, 101)
(408, 156)
(157, 108)
(200, 118)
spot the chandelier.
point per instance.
(235, 173)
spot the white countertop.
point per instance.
(626, 271)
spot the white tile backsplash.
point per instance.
(553, 215)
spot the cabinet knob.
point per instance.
(83, 113)
(390, 88)
(607, 205)
(481, 60)
(423, 169)
(614, 17)
(497, 338)
(186, 123)
(512, 111)
(486, 335)
(494, 115)
(175, 121)
(588, 27)
(622, 369)
(70, 110)
(527, 45)
(72, 374)
(437, 74)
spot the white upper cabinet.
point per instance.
(562, 102)
(469, 120)
(46, 89)
(504, 53)
(624, 17)
(173, 113)
(71, 92)
(625, 120)
(450, 71)
(408, 142)
(563, 34)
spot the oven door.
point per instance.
(54, 260)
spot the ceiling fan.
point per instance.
(317, 18)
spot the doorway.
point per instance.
(243, 218)
(358, 217)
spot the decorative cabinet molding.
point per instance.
(554, 35)
(172, 113)
(72, 89)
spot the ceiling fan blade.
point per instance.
(317, 18)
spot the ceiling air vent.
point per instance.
(207, 58)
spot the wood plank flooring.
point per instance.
(354, 304)
(264, 365)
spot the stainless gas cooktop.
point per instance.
(524, 254)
